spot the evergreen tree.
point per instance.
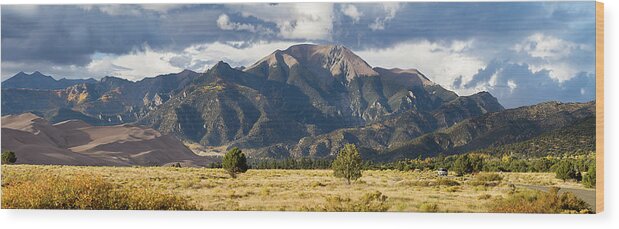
(463, 165)
(234, 162)
(566, 170)
(347, 165)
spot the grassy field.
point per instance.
(291, 190)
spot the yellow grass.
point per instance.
(296, 190)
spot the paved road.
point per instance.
(584, 194)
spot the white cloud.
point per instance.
(310, 21)
(161, 8)
(200, 57)
(391, 9)
(351, 11)
(441, 62)
(553, 55)
(512, 85)
(133, 66)
(131, 9)
(147, 62)
(224, 23)
(547, 47)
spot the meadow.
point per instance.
(269, 190)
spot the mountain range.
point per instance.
(304, 101)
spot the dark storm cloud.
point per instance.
(71, 34)
(516, 85)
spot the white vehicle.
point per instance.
(442, 172)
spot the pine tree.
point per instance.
(234, 162)
(463, 165)
(347, 165)
(566, 170)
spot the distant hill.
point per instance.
(578, 138)
(36, 141)
(499, 129)
(36, 80)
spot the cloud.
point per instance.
(443, 62)
(391, 9)
(133, 66)
(309, 21)
(351, 11)
(516, 85)
(147, 62)
(554, 55)
(131, 9)
(224, 23)
(466, 47)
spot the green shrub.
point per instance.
(234, 162)
(566, 170)
(347, 165)
(589, 178)
(463, 165)
(8, 157)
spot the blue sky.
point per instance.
(522, 52)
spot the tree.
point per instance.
(8, 157)
(477, 163)
(542, 165)
(463, 165)
(235, 162)
(589, 179)
(347, 165)
(566, 170)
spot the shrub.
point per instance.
(589, 178)
(566, 170)
(234, 162)
(347, 165)
(463, 165)
(369, 202)
(484, 197)
(85, 192)
(8, 157)
(486, 179)
(428, 207)
(530, 201)
(446, 182)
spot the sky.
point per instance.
(521, 52)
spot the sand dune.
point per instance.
(35, 141)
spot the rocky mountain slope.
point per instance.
(304, 101)
(111, 100)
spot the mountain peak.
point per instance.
(332, 60)
(337, 59)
